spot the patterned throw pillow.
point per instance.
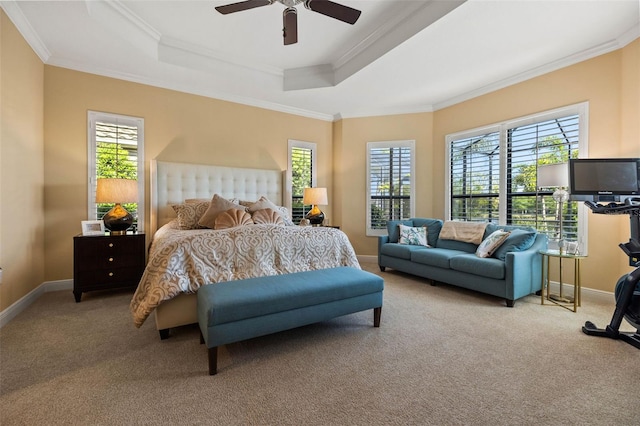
(189, 214)
(415, 236)
(491, 243)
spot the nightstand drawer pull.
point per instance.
(111, 259)
(110, 244)
(110, 274)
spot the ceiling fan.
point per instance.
(290, 14)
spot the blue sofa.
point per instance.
(512, 272)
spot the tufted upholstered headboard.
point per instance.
(172, 183)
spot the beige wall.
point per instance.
(178, 127)
(350, 166)
(44, 114)
(21, 166)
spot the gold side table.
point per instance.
(561, 300)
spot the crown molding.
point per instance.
(179, 52)
(191, 88)
(32, 38)
(130, 26)
(416, 17)
(607, 47)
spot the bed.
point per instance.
(182, 260)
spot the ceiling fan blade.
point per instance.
(334, 10)
(243, 5)
(290, 26)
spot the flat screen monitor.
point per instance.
(604, 177)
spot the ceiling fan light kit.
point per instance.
(290, 14)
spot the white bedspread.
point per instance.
(180, 261)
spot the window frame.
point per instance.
(116, 119)
(408, 143)
(291, 145)
(502, 128)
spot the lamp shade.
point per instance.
(117, 191)
(553, 175)
(315, 196)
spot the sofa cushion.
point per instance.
(485, 267)
(393, 230)
(435, 257)
(518, 240)
(413, 235)
(433, 228)
(401, 251)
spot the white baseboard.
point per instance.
(61, 285)
(588, 293)
(24, 302)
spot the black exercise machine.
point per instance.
(627, 291)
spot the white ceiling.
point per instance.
(401, 56)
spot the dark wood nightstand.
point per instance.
(107, 262)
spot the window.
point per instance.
(493, 172)
(115, 151)
(390, 184)
(302, 170)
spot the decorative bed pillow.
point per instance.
(189, 214)
(232, 218)
(415, 236)
(217, 206)
(267, 216)
(491, 243)
(393, 230)
(197, 200)
(265, 203)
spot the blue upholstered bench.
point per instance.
(238, 310)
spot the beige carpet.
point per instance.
(442, 356)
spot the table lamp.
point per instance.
(118, 191)
(556, 176)
(315, 196)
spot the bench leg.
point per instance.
(164, 333)
(376, 316)
(213, 360)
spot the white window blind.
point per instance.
(475, 178)
(529, 146)
(390, 183)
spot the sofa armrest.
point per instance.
(524, 269)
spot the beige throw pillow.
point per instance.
(265, 203)
(217, 206)
(232, 218)
(267, 216)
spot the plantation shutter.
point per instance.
(529, 146)
(475, 178)
(302, 177)
(391, 182)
